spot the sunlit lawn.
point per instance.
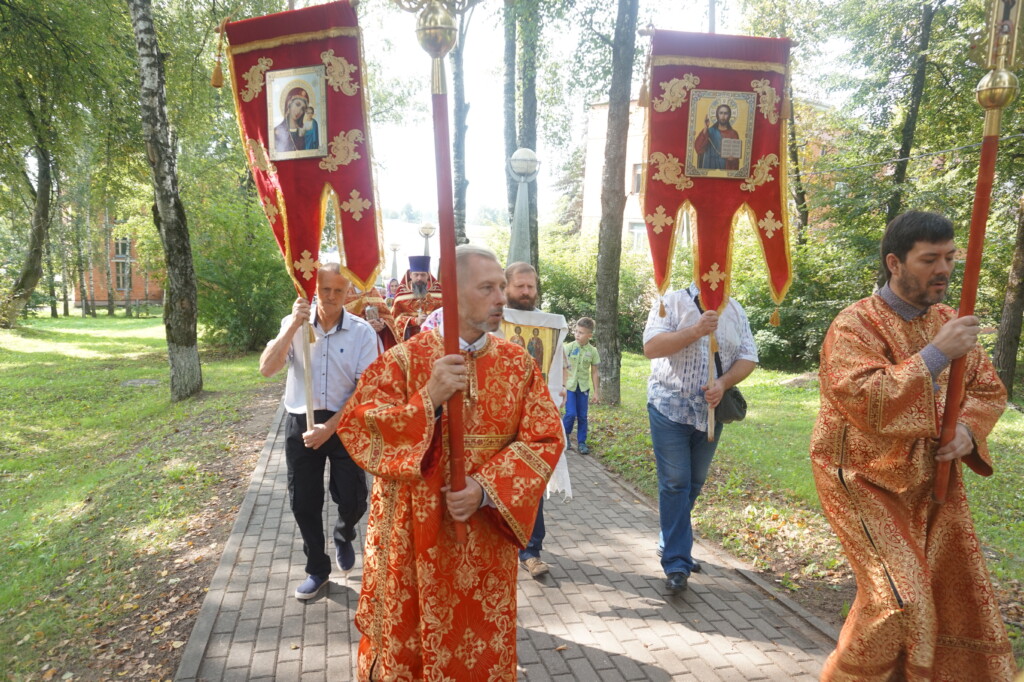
(95, 473)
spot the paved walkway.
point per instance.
(601, 614)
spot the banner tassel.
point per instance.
(775, 320)
(217, 78)
(661, 307)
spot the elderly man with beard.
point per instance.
(418, 295)
(432, 608)
(925, 608)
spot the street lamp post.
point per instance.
(427, 231)
(394, 260)
(523, 168)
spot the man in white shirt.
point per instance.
(345, 345)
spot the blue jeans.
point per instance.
(683, 455)
(576, 403)
(536, 542)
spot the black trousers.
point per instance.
(306, 490)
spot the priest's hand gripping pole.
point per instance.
(436, 32)
(995, 91)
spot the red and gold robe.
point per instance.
(925, 608)
(430, 608)
(357, 303)
(406, 308)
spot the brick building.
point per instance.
(127, 277)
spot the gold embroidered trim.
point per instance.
(254, 78)
(487, 441)
(659, 219)
(977, 645)
(260, 157)
(734, 64)
(499, 504)
(294, 39)
(343, 150)
(768, 99)
(339, 73)
(355, 205)
(676, 91)
(670, 171)
(532, 459)
(761, 174)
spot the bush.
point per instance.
(243, 285)
(241, 302)
(568, 277)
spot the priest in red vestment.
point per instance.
(925, 608)
(370, 306)
(418, 295)
(431, 608)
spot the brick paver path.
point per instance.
(601, 614)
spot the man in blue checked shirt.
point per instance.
(679, 396)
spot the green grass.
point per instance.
(764, 459)
(95, 474)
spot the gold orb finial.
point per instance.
(435, 29)
(997, 89)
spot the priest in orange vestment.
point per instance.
(418, 295)
(925, 608)
(431, 608)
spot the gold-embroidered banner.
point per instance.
(716, 149)
(298, 79)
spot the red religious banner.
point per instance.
(716, 151)
(301, 101)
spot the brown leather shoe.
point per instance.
(536, 567)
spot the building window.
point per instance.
(123, 270)
(637, 236)
(123, 247)
(638, 177)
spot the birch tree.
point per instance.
(168, 212)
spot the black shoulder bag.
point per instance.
(733, 406)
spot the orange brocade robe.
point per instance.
(430, 608)
(925, 608)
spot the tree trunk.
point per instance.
(65, 277)
(509, 97)
(75, 235)
(32, 268)
(168, 211)
(128, 284)
(90, 252)
(108, 229)
(1004, 356)
(80, 268)
(613, 201)
(50, 284)
(799, 193)
(914, 106)
(460, 110)
(529, 33)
